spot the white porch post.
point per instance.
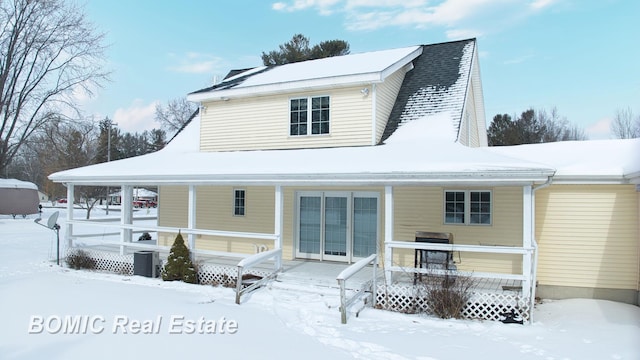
(388, 230)
(69, 227)
(191, 219)
(527, 243)
(126, 215)
(277, 226)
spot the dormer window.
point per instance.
(309, 120)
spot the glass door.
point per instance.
(337, 226)
(365, 226)
(309, 226)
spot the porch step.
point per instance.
(296, 280)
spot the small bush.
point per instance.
(447, 297)
(80, 259)
(179, 265)
(144, 236)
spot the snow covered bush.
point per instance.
(80, 259)
(179, 265)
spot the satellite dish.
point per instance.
(51, 223)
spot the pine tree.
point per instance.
(179, 265)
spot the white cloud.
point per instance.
(194, 63)
(456, 34)
(601, 129)
(323, 6)
(138, 117)
(417, 13)
(518, 60)
(377, 14)
(540, 4)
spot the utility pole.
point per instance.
(109, 124)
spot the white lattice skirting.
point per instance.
(212, 274)
(109, 261)
(208, 274)
(482, 305)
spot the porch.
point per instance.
(493, 293)
(490, 297)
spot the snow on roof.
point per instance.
(333, 71)
(596, 159)
(405, 158)
(17, 184)
(438, 83)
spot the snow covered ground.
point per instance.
(124, 317)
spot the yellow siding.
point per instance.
(386, 94)
(421, 209)
(214, 211)
(588, 236)
(263, 122)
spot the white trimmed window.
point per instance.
(309, 120)
(239, 202)
(467, 207)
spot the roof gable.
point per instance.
(437, 83)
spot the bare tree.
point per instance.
(625, 125)
(532, 127)
(62, 145)
(48, 51)
(175, 115)
(558, 128)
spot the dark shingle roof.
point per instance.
(236, 79)
(437, 83)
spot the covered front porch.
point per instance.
(493, 292)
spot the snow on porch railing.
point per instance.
(348, 273)
(529, 256)
(254, 260)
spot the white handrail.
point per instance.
(348, 273)
(254, 260)
(150, 228)
(457, 247)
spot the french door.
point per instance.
(339, 226)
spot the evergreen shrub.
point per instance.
(179, 265)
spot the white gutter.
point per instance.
(317, 179)
(285, 87)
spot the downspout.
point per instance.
(532, 301)
(638, 288)
(373, 115)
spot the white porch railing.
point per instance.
(528, 257)
(254, 260)
(138, 228)
(348, 273)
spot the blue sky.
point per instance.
(581, 57)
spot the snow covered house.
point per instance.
(334, 160)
